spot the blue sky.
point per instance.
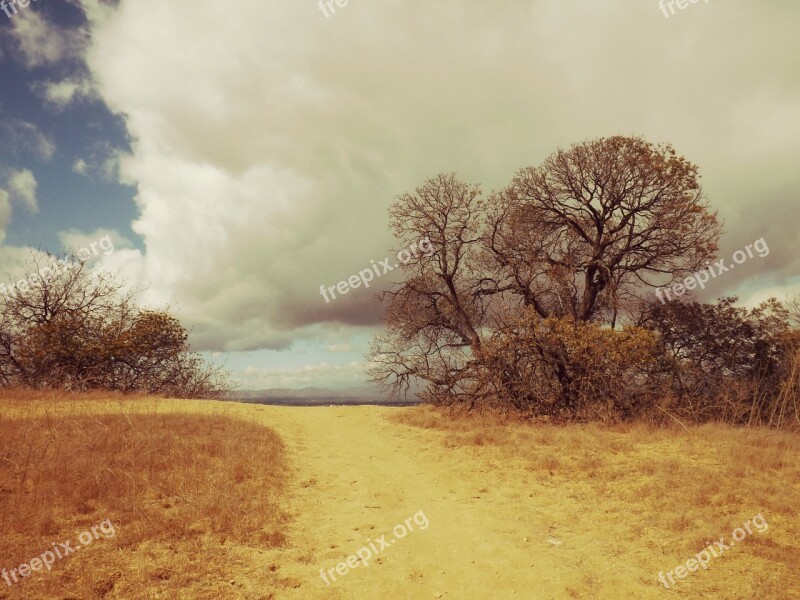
(65, 198)
(242, 156)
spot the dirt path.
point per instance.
(359, 476)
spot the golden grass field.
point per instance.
(224, 500)
(194, 496)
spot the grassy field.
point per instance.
(635, 495)
(194, 499)
(185, 498)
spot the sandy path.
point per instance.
(359, 476)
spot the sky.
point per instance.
(240, 155)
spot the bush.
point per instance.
(79, 330)
(727, 363)
(567, 369)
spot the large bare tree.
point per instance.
(600, 224)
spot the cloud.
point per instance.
(13, 260)
(62, 94)
(317, 375)
(335, 348)
(784, 291)
(23, 138)
(5, 214)
(72, 239)
(119, 257)
(38, 43)
(22, 187)
(96, 11)
(272, 215)
(80, 167)
(101, 163)
(16, 186)
(267, 145)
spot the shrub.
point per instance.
(80, 330)
(569, 369)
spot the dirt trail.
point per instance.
(359, 476)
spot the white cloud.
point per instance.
(22, 186)
(61, 94)
(72, 239)
(105, 249)
(17, 186)
(22, 137)
(5, 214)
(102, 162)
(753, 299)
(96, 11)
(13, 259)
(40, 43)
(336, 348)
(80, 167)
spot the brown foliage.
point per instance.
(520, 304)
(562, 368)
(724, 362)
(595, 225)
(80, 330)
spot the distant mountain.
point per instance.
(320, 396)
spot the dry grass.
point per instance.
(192, 497)
(650, 498)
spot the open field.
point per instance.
(509, 511)
(188, 497)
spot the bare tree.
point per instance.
(434, 318)
(793, 310)
(600, 224)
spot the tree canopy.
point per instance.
(76, 329)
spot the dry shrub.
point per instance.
(723, 362)
(785, 406)
(769, 397)
(80, 329)
(570, 370)
(177, 487)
